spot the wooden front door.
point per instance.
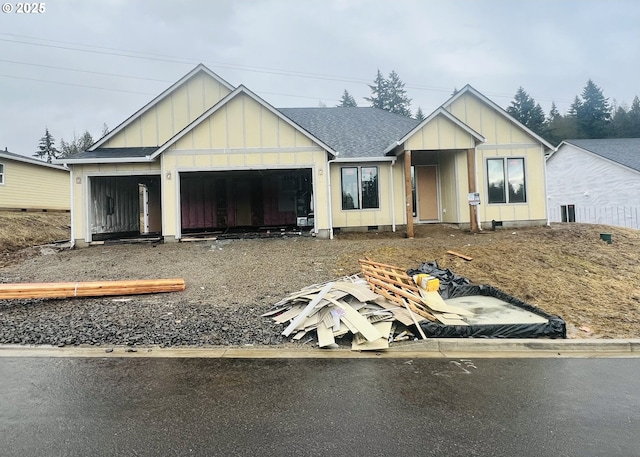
(427, 190)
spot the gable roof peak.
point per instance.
(200, 68)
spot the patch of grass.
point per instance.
(20, 230)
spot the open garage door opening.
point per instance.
(246, 201)
(125, 207)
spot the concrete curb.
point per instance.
(431, 348)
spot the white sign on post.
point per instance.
(474, 198)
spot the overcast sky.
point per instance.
(83, 63)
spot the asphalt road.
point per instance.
(302, 407)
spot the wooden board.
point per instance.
(462, 256)
(90, 289)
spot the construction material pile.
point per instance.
(379, 306)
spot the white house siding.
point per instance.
(602, 191)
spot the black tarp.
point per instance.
(453, 286)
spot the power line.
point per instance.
(76, 85)
(85, 71)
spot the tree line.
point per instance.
(48, 151)
(589, 116)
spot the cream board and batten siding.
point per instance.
(504, 139)
(587, 180)
(28, 186)
(381, 216)
(171, 114)
(241, 135)
(80, 189)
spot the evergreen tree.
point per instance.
(529, 113)
(420, 115)
(378, 92)
(389, 94)
(553, 113)
(594, 112)
(77, 145)
(347, 100)
(46, 148)
(398, 102)
(574, 108)
(634, 118)
(620, 124)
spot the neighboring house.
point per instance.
(29, 184)
(207, 156)
(595, 181)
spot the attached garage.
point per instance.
(245, 200)
(124, 206)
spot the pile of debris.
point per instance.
(381, 305)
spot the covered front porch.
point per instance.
(437, 187)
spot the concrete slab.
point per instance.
(490, 311)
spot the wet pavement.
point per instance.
(304, 407)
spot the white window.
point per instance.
(1, 173)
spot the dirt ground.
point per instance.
(564, 269)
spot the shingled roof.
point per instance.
(625, 151)
(353, 132)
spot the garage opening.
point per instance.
(125, 207)
(246, 201)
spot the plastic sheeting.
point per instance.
(453, 286)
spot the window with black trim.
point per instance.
(506, 180)
(1, 173)
(360, 188)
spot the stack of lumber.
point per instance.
(416, 295)
(90, 289)
(342, 307)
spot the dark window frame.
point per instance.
(368, 191)
(504, 194)
(1, 174)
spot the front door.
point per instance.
(427, 190)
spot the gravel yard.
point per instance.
(230, 283)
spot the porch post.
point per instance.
(408, 192)
(471, 175)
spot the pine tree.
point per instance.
(594, 113)
(46, 148)
(574, 108)
(378, 92)
(620, 124)
(77, 145)
(389, 94)
(525, 109)
(553, 113)
(634, 118)
(347, 100)
(398, 102)
(420, 115)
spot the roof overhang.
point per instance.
(91, 160)
(29, 160)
